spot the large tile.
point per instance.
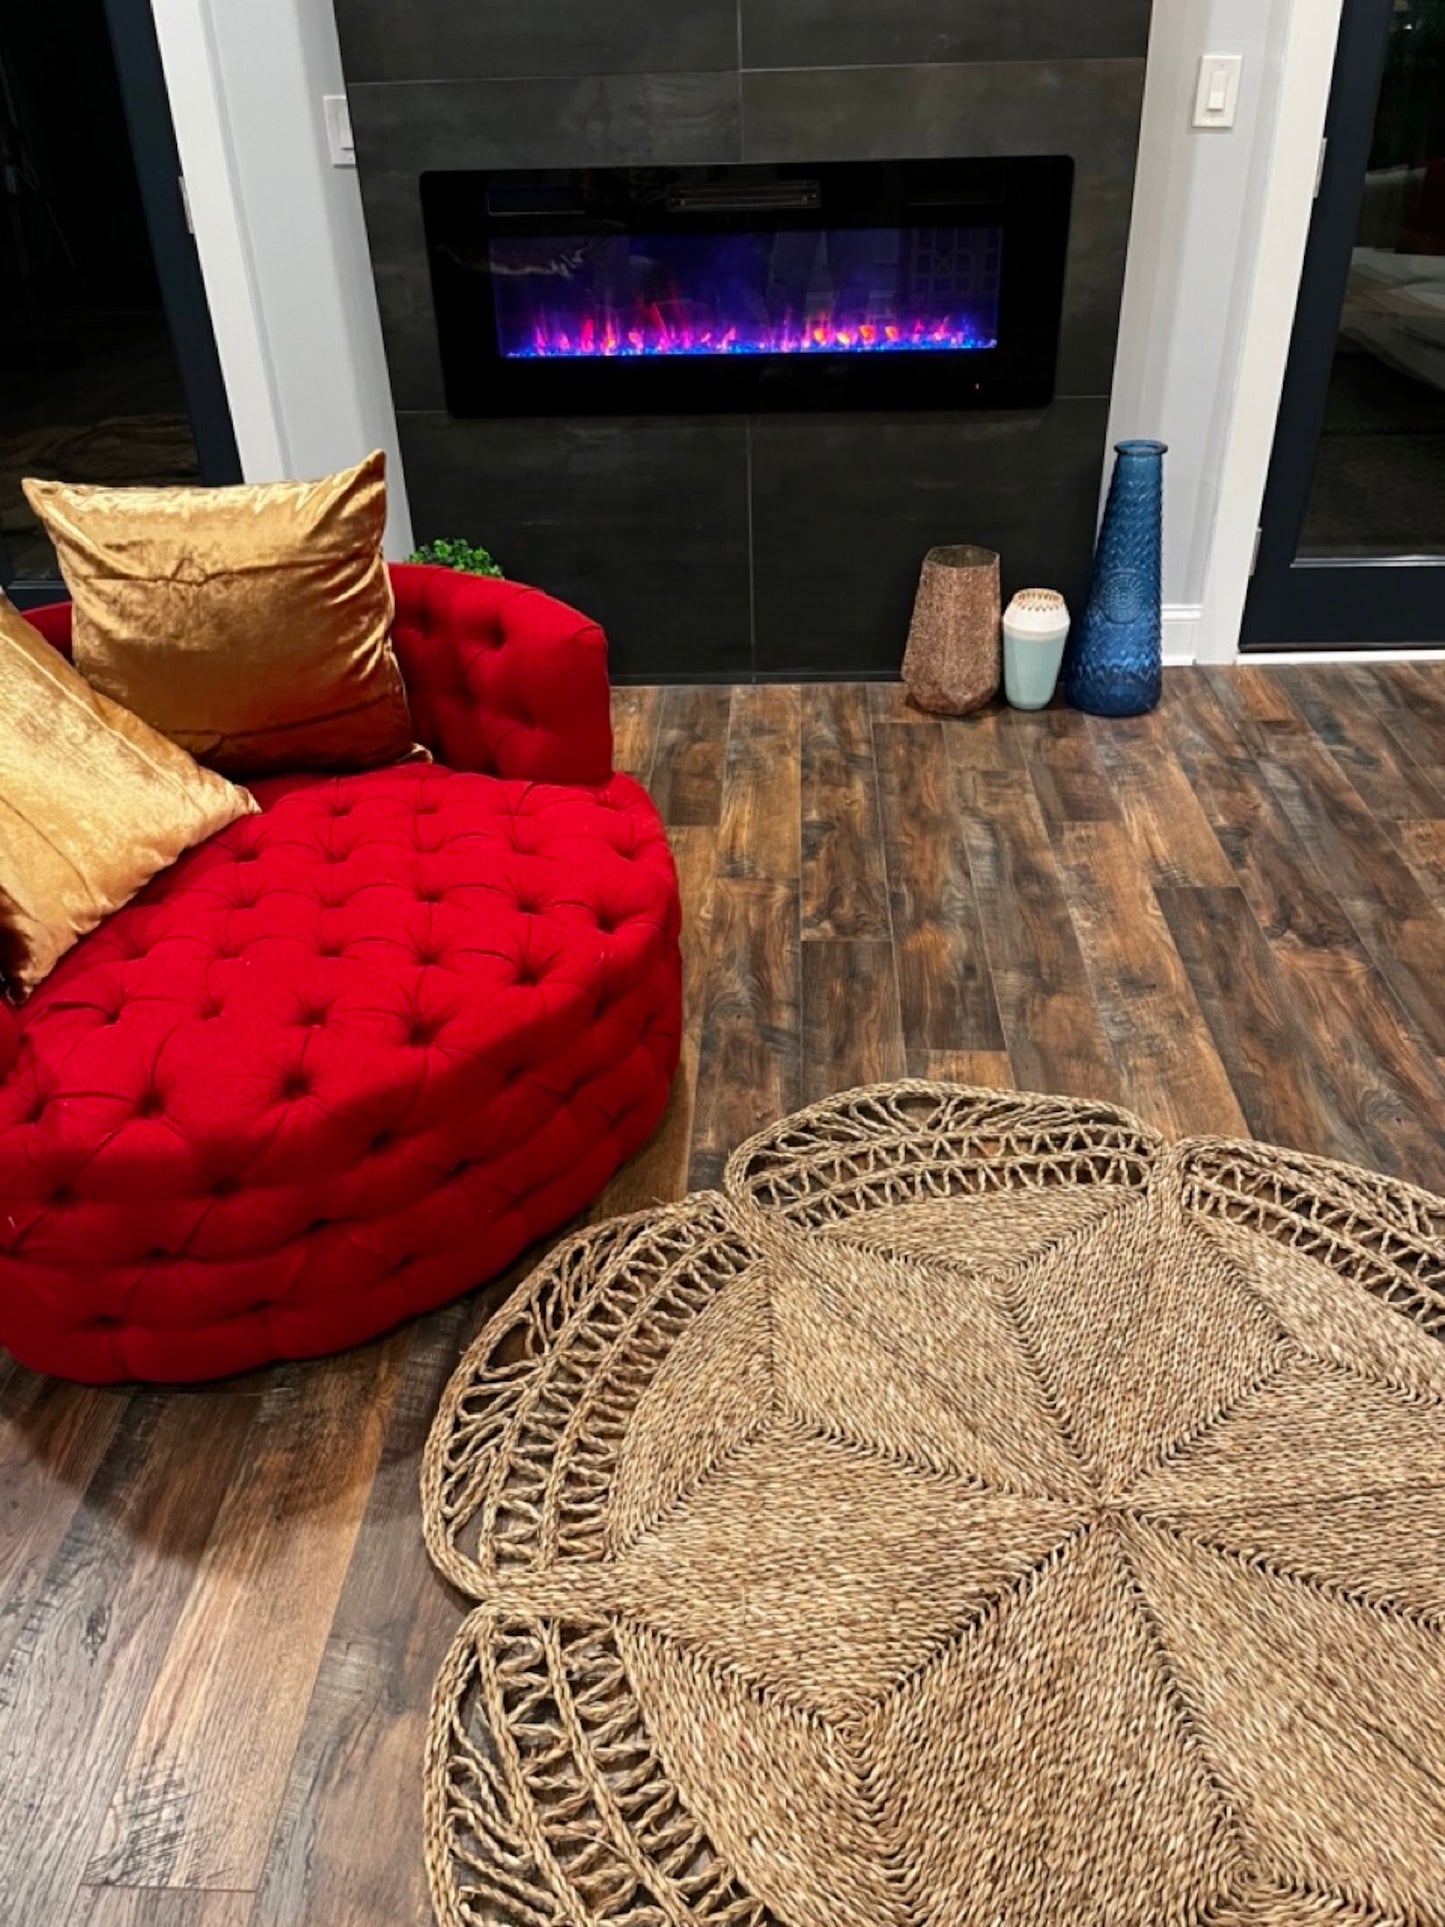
(404, 129)
(1088, 109)
(493, 39)
(844, 508)
(884, 33)
(642, 523)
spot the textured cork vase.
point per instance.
(952, 662)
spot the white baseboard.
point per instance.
(1181, 634)
(1321, 657)
(1182, 630)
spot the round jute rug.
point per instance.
(980, 1511)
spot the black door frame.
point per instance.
(1297, 601)
(157, 160)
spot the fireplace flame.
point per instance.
(651, 332)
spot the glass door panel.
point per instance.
(1352, 546)
(1379, 481)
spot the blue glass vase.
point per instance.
(1115, 661)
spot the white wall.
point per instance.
(281, 238)
(1192, 250)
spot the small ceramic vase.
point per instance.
(1035, 629)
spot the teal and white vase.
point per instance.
(1035, 629)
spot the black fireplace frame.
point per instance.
(1028, 197)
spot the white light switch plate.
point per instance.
(1216, 100)
(338, 130)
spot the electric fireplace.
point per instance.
(894, 284)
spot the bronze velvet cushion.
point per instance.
(92, 804)
(250, 625)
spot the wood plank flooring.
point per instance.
(218, 1627)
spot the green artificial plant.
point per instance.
(456, 555)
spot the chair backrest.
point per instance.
(501, 678)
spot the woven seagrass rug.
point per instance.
(980, 1511)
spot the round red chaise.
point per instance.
(349, 1057)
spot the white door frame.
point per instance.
(281, 238)
(189, 57)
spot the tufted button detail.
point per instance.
(150, 1105)
(225, 1187)
(61, 1196)
(296, 1084)
(314, 1019)
(383, 1141)
(422, 1033)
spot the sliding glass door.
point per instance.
(1352, 539)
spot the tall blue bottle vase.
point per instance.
(1115, 660)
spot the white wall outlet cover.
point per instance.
(1216, 98)
(338, 130)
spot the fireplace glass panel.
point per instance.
(840, 290)
(930, 284)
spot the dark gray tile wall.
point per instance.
(901, 33)
(844, 508)
(724, 546)
(642, 523)
(496, 39)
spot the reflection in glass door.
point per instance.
(1352, 546)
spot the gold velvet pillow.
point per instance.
(92, 804)
(250, 625)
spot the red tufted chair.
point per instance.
(349, 1057)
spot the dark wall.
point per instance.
(772, 545)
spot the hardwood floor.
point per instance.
(218, 1628)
